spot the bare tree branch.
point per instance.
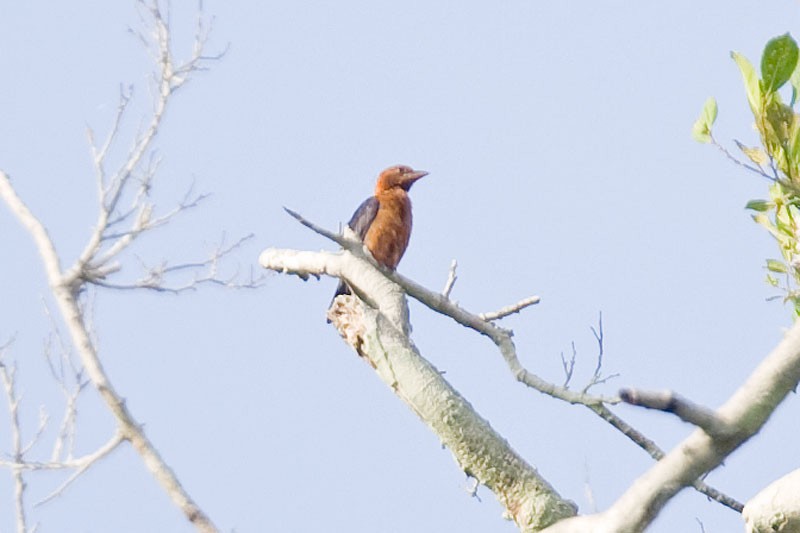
(132, 179)
(305, 264)
(745, 412)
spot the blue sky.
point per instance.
(557, 137)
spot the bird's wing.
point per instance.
(363, 217)
(359, 223)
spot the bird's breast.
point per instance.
(388, 235)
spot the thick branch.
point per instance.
(381, 337)
(776, 507)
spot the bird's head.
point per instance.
(398, 176)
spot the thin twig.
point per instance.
(740, 163)
(569, 366)
(597, 376)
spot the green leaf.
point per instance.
(773, 265)
(778, 62)
(701, 129)
(759, 205)
(751, 83)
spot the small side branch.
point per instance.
(510, 309)
(669, 402)
(451, 280)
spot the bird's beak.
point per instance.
(414, 176)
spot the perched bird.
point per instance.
(383, 221)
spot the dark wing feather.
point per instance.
(360, 223)
(363, 217)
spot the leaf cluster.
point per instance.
(777, 157)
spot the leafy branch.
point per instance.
(777, 158)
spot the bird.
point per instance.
(383, 221)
